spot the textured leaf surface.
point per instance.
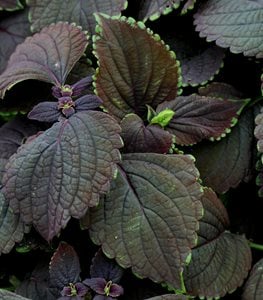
(6, 295)
(169, 297)
(220, 90)
(13, 30)
(149, 218)
(12, 135)
(11, 227)
(45, 12)
(140, 138)
(234, 24)
(259, 131)
(64, 266)
(254, 285)
(47, 56)
(63, 171)
(10, 4)
(135, 67)
(198, 117)
(221, 260)
(226, 163)
(152, 9)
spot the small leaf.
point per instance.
(45, 112)
(12, 228)
(221, 261)
(6, 295)
(87, 102)
(163, 118)
(140, 138)
(13, 30)
(47, 56)
(64, 266)
(62, 172)
(81, 12)
(136, 67)
(224, 164)
(198, 117)
(10, 5)
(234, 24)
(149, 218)
(254, 285)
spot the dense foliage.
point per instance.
(131, 160)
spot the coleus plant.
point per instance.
(118, 159)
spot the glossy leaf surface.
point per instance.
(47, 56)
(149, 219)
(234, 24)
(63, 171)
(135, 67)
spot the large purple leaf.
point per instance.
(13, 30)
(226, 163)
(234, 24)
(64, 266)
(254, 285)
(220, 90)
(63, 171)
(136, 67)
(140, 138)
(149, 219)
(12, 228)
(169, 297)
(197, 117)
(47, 56)
(12, 135)
(221, 260)
(7, 295)
(81, 12)
(10, 5)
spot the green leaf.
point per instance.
(135, 67)
(81, 12)
(149, 219)
(234, 24)
(163, 117)
(62, 172)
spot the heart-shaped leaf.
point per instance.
(221, 260)
(64, 266)
(226, 163)
(254, 285)
(13, 30)
(7, 295)
(47, 56)
(10, 5)
(234, 24)
(136, 67)
(12, 228)
(62, 172)
(140, 138)
(149, 219)
(198, 117)
(81, 12)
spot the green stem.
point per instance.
(256, 246)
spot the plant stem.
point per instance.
(256, 246)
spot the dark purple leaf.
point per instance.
(115, 290)
(140, 138)
(169, 297)
(10, 5)
(234, 24)
(152, 9)
(197, 117)
(13, 30)
(12, 135)
(81, 12)
(222, 260)
(226, 163)
(6, 295)
(87, 102)
(47, 56)
(12, 228)
(220, 90)
(45, 112)
(64, 267)
(102, 297)
(81, 85)
(62, 172)
(82, 71)
(96, 284)
(254, 285)
(136, 67)
(105, 268)
(149, 219)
